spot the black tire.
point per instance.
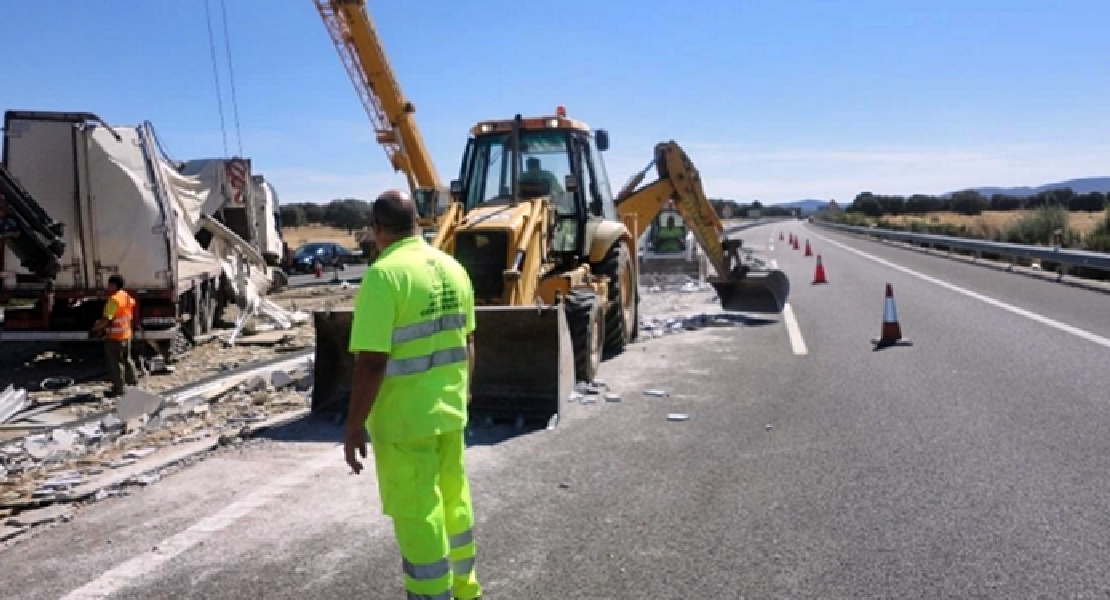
(621, 327)
(583, 316)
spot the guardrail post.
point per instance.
(1063, 270)
(976, 256)
(1013, 263)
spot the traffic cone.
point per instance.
(819, 274)
(318, 269)
(796, 246)
(809, 251)
(892, 331)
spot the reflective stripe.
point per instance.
(419, 364)
(444, 596)
(428, 328)
(429, 571)
(462, 567)
(462, 539)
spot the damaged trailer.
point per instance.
(126, 210)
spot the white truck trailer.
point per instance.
(127, 209)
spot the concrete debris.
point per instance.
(12, 401)
(8, 532)
(136, 403)
(611, 397)
(280, 379)
(768, 427)
(51, 467)
(42, 516)
(655, 393)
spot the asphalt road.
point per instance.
(970, 464)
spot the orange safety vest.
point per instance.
(120, 327)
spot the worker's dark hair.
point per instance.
(394, 212)
(117, 280)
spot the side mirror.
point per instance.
(570, 183)
(602, 140)
(456, 190)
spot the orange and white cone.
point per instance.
(809, 251)
(819, 273)
(892, 331)
(797, 246)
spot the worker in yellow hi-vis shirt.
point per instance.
(412, 338)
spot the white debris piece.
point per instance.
(136, 403)
(655, 393)
(677, 417)
(611, 397)
(280, 379)
(139, 453)
(12, 401)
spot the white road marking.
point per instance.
(1077, 332)
(122, 575)
(792, 330)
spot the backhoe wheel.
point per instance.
(622, 319)
(585, 319)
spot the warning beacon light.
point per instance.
(561, 111)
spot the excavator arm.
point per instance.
(739, 287)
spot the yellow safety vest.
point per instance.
(416, 303)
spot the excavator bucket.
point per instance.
(524, 363)
(756, 292)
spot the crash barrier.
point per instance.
(1065, 257)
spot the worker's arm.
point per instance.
(110, 308)
(471, 325)
(366, 381)
(371, 342)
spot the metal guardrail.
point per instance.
(1063, 256)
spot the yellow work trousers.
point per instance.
(424, 489)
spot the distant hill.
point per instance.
(1085, 185)
(807, 206)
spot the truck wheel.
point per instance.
(585, 319)
(622, 319)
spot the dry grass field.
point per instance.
(296, 236)
(992, 222)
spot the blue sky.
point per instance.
(773, 100)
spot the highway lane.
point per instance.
(966, 465)
(1079, 307)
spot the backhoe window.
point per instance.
(544, 161)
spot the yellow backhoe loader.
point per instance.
(552, 258)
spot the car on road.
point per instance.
(330, 254)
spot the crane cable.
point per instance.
(231, 78)
(216, 76)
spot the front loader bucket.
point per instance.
(334, 364)
(524, 363)
(756, 292)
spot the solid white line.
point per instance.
(122, 575)
(792, 330)
(1077, 332)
